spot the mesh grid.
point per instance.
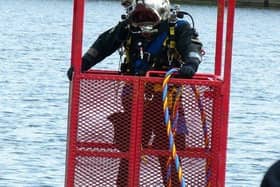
(96, 171)
(109, 153)
(189, 122)
(99, 100)
(196, 103)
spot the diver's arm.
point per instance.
(189, 47)
(106, 44)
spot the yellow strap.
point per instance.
(172, 31)
(172, 35)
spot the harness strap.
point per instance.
(172, 43)
(166, 39)
(148, 53)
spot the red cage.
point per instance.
(116, 134)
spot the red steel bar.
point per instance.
(219, 36)
(76, 53)
(77, 35)
(226, 88)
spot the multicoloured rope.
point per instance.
(167, 121)
(175, 112)
(204, 127)
(173, 104)
(202, 115)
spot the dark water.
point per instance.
(35, 53)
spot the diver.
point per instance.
(153, 38)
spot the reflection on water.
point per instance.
(35, 53)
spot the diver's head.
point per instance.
(146, 14)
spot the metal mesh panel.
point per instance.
(121, 137)
(194, 109)
(190, 113)
(99, 100)
(96, 171)
(194, 171)
(104, 122)
(150, 174)
(192, 139)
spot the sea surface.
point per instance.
(35, 47)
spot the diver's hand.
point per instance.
(70, 73)
(187, 71)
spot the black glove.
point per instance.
(87, 62)
(187, 70)
(70, 73)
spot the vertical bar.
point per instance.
(72, 133)
(219, 36)
(216, 134)
(229, 38)
(68, 165)
(226, 87)
(76, 51)
(139, 127)
(133, 135)
(77, 35)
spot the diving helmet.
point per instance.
(146, 13)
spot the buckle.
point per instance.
(147, 57)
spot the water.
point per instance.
(35, 53)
